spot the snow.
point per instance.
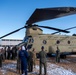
(52, 69)
(57, 70)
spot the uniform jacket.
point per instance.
(23, 55)
(42, 56)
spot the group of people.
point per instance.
(27, 60)
(7, 53)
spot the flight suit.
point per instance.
(42, 57)
(57, 55)
(23, 55)
(30, 61)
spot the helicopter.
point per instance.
(34, 37)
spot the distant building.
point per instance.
(9, 42)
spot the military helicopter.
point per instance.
(34, 37)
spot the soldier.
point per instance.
(34, 57)
(14, 52)
(0, 58)
(8, 51)
(18, 60)
(42, 56)
(3, 52)
(30, 61)
(57, 55)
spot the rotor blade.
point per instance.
(50, 13)
(13, 32)
(65, 29)
(59, 30)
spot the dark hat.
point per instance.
(42, 47)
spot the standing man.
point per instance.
(23, 54)
(42, 56)
(3, 52)
(57, 55)
(13, 52)
(34, 57)
(8, 53)
(30, 61)
(18, 60)
(0, 58)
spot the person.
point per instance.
(42, 57)
(30, 61)
(0, 58)
(18, 61)
(3, 52)
(8, 53)
(57, 55)
(13, 52)
(23, 55)
(34, 57)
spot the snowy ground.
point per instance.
(52, 69)
(65, 67)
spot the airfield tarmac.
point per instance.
(65, 67)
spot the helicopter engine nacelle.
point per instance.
(33, 31)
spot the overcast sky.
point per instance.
(15, 13)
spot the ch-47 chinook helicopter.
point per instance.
(35, 38)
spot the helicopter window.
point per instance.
(29, 46)
(44, 41)
(58, 42)
(68, 42)
(31, 40)
(25, 39)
